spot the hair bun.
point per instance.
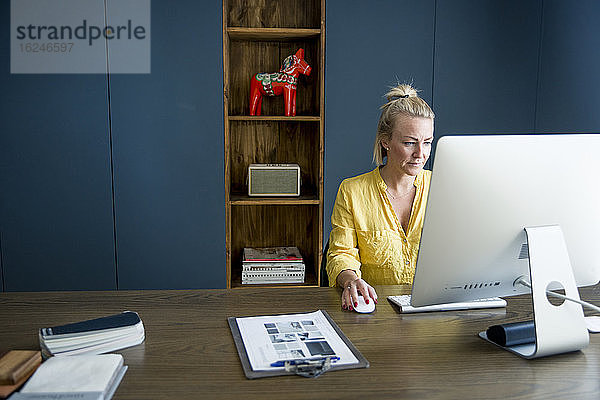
(401, 92)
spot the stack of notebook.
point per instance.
(269, 265)
(95, 336)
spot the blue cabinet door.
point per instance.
(56, 220)
(168, 152)
(56, 208)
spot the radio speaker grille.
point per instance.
(277, 181)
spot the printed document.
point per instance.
(269, 339)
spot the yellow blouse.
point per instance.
(366, 234)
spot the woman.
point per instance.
(377, 217)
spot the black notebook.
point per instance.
(124, 319)
(94, 336)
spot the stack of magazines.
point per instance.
(269, 265)
(94, 336)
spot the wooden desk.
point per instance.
(189, 352)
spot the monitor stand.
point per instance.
(558, 329)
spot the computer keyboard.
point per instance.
(403, 302)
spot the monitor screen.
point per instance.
(484, 191)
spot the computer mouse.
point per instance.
(363, 307)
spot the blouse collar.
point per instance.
(380, 182)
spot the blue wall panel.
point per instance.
(56, 207)
(486, 61)
(168, 151)
(1, 267)
(370, 47)
(569, 90)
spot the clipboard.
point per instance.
(252, 374)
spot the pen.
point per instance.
(281, 363)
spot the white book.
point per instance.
(96, 376)
(285, 271)
(265, 282)
(275, 271)
(272, 266)
(270, 274)
(272, 279)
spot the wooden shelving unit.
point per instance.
(257, 36)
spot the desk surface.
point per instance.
(189, 352)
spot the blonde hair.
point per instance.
(402, 100)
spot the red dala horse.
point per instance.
(283, 82)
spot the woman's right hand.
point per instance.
(353, 287)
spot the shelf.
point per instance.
(245, 200)
(247, 58)
(297, 118)
(236, 285)
(257, 37)
(267, 34)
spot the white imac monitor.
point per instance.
(484, 191)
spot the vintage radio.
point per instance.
(274, 180)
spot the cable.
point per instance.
(523, 282)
